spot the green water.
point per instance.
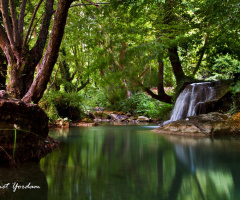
(130, 163)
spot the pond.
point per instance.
(128, 163)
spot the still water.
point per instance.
(129, 163)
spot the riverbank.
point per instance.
(97, 117)
(23, 132)
(204, 125)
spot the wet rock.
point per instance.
(23, 132)
(28, 117)
(87, 120)
(102, 115)
(211, 124)
(114, 117)
(143, 119)
(98, 109)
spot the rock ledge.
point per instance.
(211, 124)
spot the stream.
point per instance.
(127, 162)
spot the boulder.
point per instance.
(114, 117)
(87, 120)
(211, 124)
(24, 116)
(143, 119)
(102, 115)
(23, 132)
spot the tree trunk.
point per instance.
(39, 85)
(161, 96)
(171, 19)
(161, 93)
(176, 64)
(3, 71)
(36, 52)
(22, 62)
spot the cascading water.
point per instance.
(190, 101)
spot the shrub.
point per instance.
(59, 104)
(143, 104)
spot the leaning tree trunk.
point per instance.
(176, 64)
(170, 19)
(39, 85)
(161, 96)
(22, 62)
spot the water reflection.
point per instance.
(211, 165)
(130, 162)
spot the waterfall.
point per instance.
(191, 99)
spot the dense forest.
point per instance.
(124, 55)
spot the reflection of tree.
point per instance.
(203, 169)
(105, 163)
(123, 163)
(177, 181)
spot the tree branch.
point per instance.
(54, 79)
(83, 85)
(6, 21)
(21, 19)
(37, 51)
(201, 55)
(39, 85)
(31, 23)
(95, 4)
(160, 97)
(92, 3)
(144, 72)
(4, 42)
(34, 27)
(14, 22)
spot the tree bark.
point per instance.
(36, 52)
(161, 93)
(3, 71)
(161, 96)
(21, 61)
(21, 19)
(171, 19)
(176, 64)
(39, 85)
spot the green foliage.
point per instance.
(224, 68)
(61, 104)
(94, 41)
(94, 97)
(142, 104)
(235, 90)
(236, 87)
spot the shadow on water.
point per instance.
(27, 182)
(131, 162)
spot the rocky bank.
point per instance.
(23, 131)
(211, 124)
